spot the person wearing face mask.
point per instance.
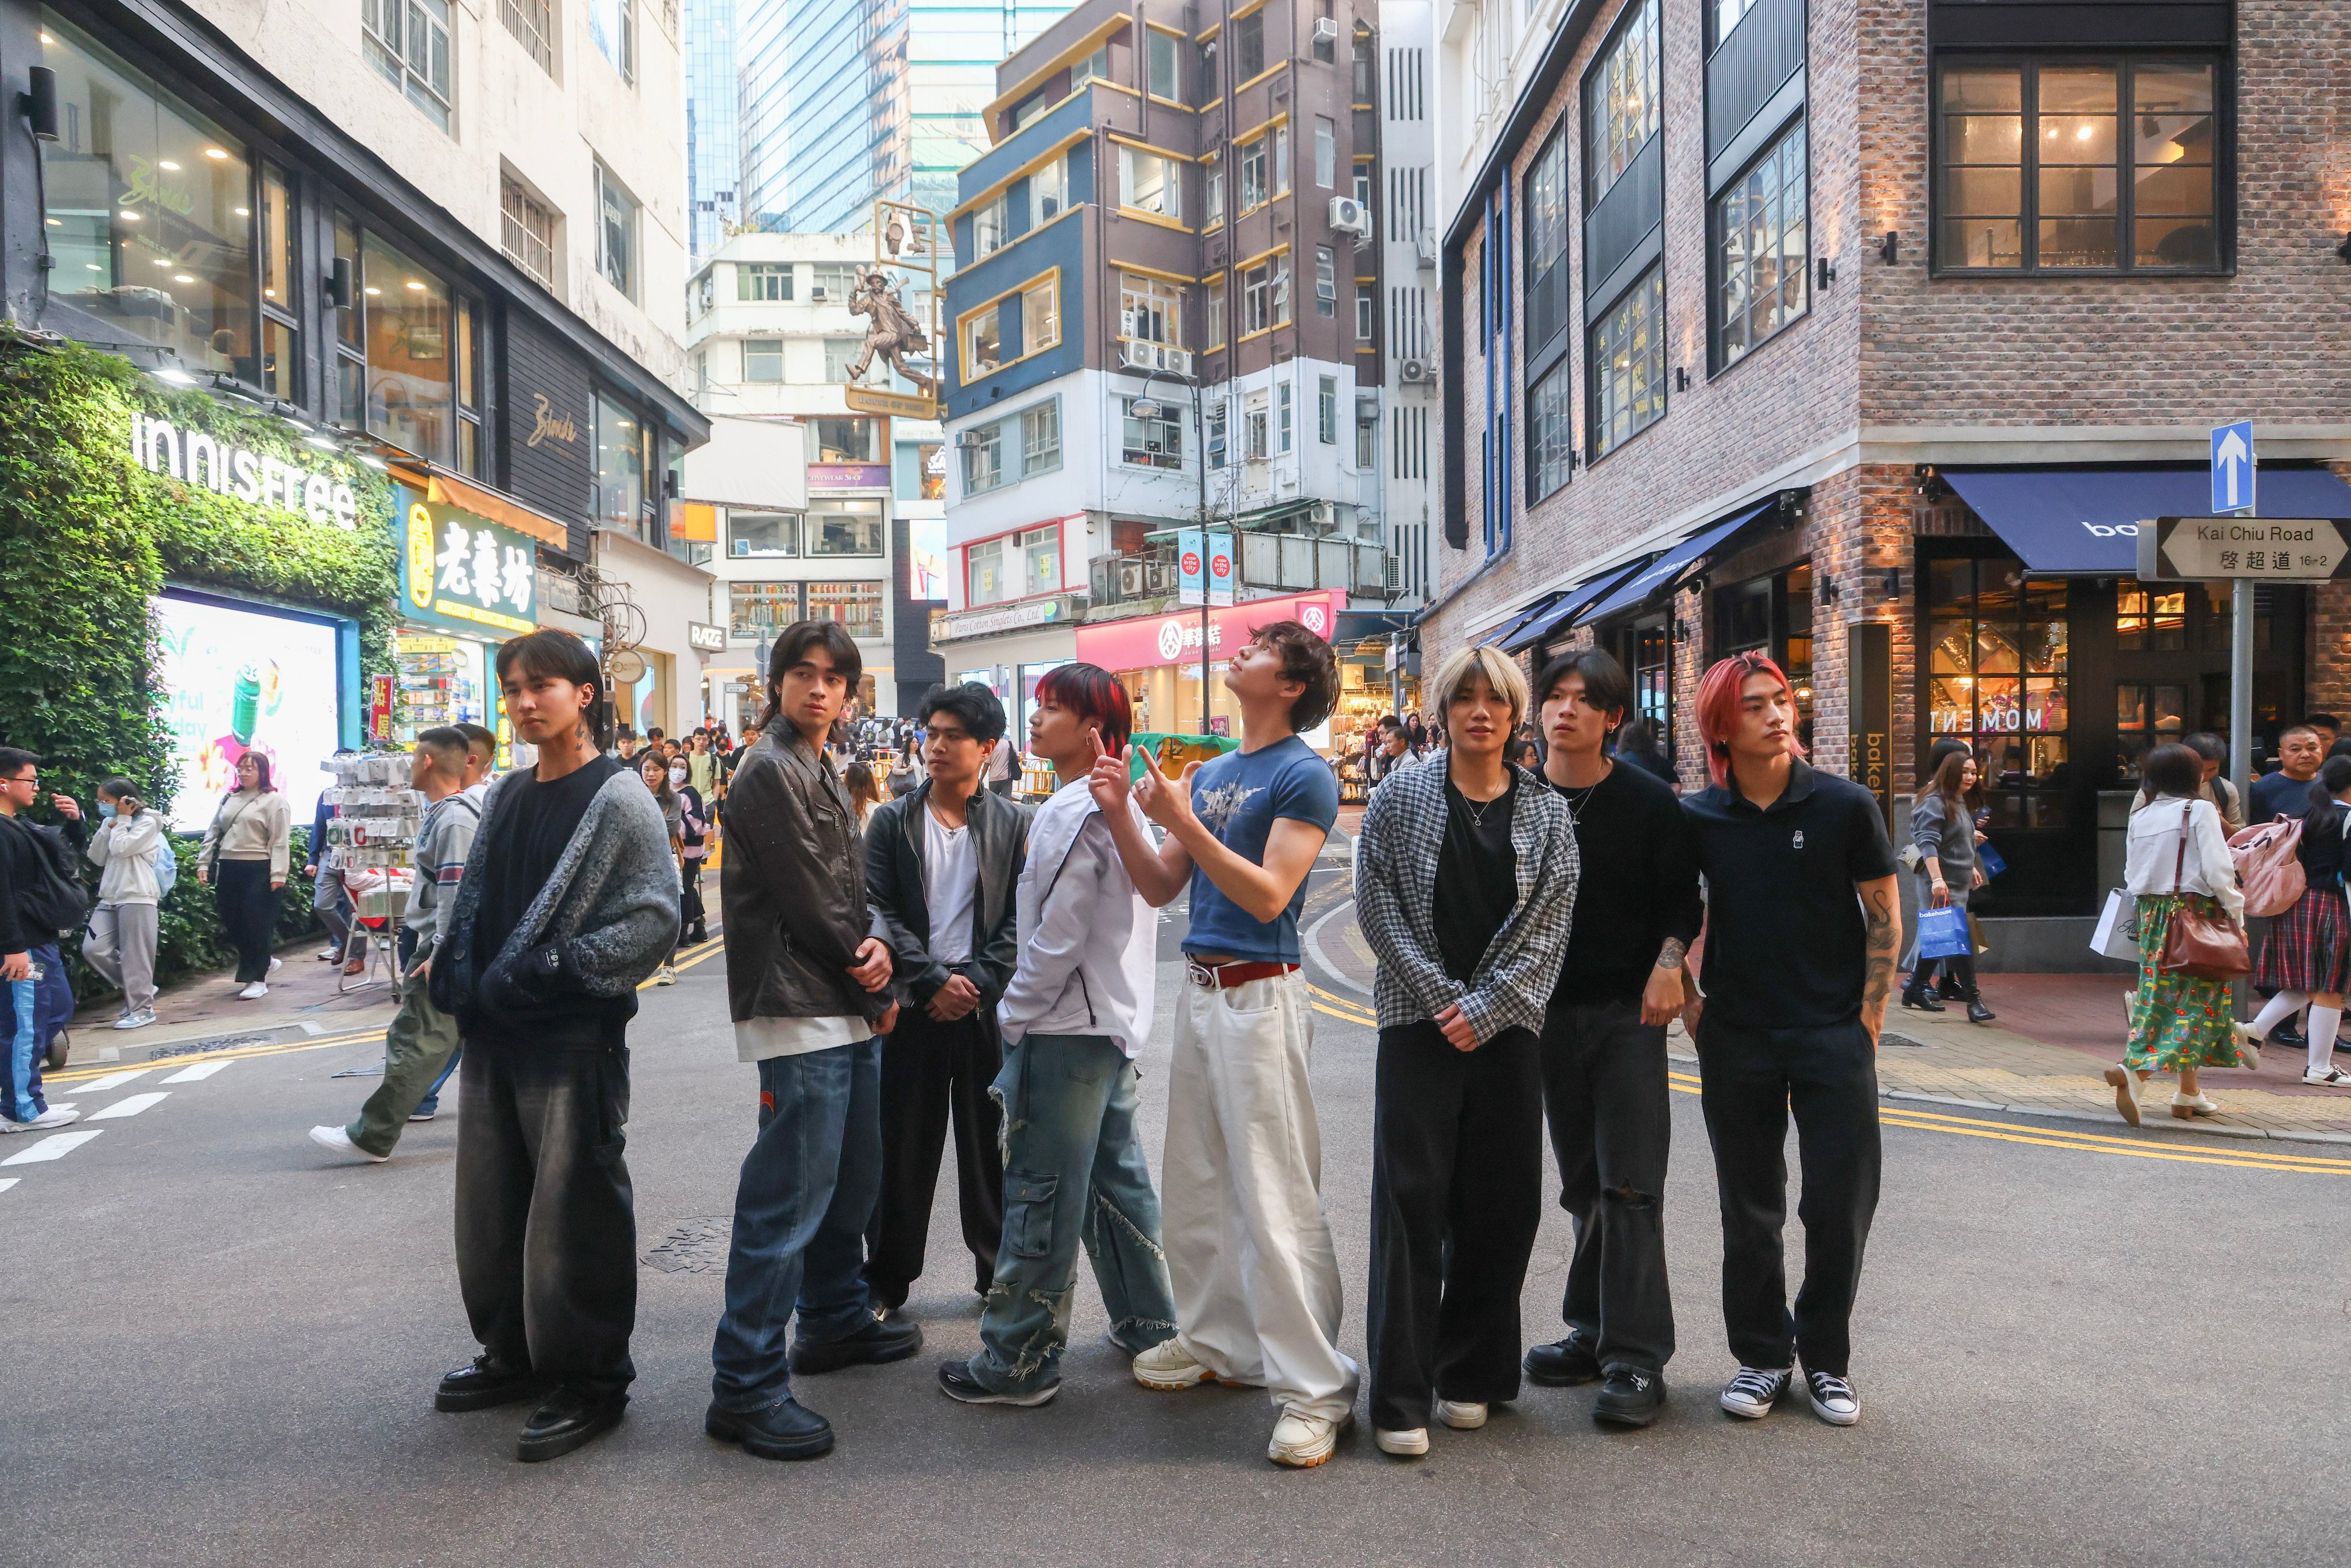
(120, 946)
(693, 838)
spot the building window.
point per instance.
(1724, 15)
(1996, 679)
(1283, 433)
(1367, 442)
(623, 457)
(1282, 160)
(1551, 434)
(1149, 183)
(2035, 175)
(1254, 186)
(763, 281)
(856, 606)
(1547, 279)
(1326, 283)
(1364, 185)
(1041, 438)
(613, 26)
(1249, 47)
(1265, 296)
(1326, 409)
(526, 231)
(763, 358)
(983, 343)
(758, 610)
(1154, 442)
(1163, 75)
(1040, 315)
(1366, 313)
(1621, 104)
(1150, 311)
(410, 378)
(616, 233)
(984, 578)
(845, 527)
(983, 460)
(280, 336)
(1255, 428)
(1040, 553)
(1326, 153)
(532, 25)
(1217, 419)
(1093, 67)
(841, 355)
(1628, 365)
(991, 225)
(1326, 49)
(1761, 259)
(832, 280)
(844, 441)
(1217, 312)
(1365, 71)
(1215, 183)
(1048, 191)
(408, 41)
(764, 533)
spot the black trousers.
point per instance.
(1456, 1197)
(690, 926)
(933, 1072)
(546, 1230)
(1752, 1079)
(1612, 1124)
(248, 913)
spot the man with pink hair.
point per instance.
(1803, 923)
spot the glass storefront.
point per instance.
(1997, 647)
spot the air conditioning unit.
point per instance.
(1320, 516)
(1326, 30)
(1142, 354)
(1129, 580)
(816, 293)
(972, 441)
(1349, 216)
(1413, 371)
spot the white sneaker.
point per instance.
(1409, 1444)
(55, 1116)
(1833, 1400)
(1167, 1366)
(664, 976)
(254, 992)
(1303, 1441)
(330, 956)
(1461, 1415)
(275, 965)
(337, 1140)
(2327, 1077)
(1755, 1390)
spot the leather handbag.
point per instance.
(2201, 946)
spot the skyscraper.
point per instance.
(714, 126)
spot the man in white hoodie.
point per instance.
(1078, 1006)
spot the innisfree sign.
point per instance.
(2268, 549)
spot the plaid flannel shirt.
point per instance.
(1395, 897)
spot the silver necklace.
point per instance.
(1477, 809)
(1577, 802)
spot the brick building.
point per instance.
(1904, 313)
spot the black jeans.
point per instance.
(1752, 1079)
(1456, 1197)
(248, 913)
(546, 1230)
(1612, 1124)
(933, 1071)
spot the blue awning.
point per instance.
(1541, 604)
(2085, 521)
(1663, 572)
(1568, 606)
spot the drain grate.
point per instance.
(693, 1246)
(190, 1047)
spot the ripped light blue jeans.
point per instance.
(1075, 1173)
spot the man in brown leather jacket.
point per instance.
(807, 977)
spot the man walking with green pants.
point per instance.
(446, 769)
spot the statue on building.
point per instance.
(894, 335)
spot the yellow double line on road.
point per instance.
(1342, 1008)
(1900, 1115)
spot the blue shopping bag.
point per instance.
(1989, 860)
(1943, 934)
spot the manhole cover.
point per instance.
(693, 1246)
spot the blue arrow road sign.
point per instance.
(2233, 467)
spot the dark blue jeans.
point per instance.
(807, 1191)
(37, 1009)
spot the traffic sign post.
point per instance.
(2233, 467)
(2248, 549)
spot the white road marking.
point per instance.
(130, 1105)
(201, 1070)
(7, 1182)
(56, 1146)
(114, 1080)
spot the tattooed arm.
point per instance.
(1662, 997)
(1881, 909)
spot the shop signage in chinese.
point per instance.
(1007, 618)
(2273, 549)
(378, 712)
(1146, 641)
(464, 572)
(320, 495)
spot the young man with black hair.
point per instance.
(568, 899)
(1074, 1015)
(1249, 1245)
(940, 864)
(807, 984)
(1604, 1043)
(32, 916)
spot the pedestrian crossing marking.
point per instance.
(7, 1182)
(56, 1146)
(130, 1105)
(201, 1070)
(112, 1080)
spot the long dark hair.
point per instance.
(2333, 777)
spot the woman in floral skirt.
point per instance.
(2178, 859)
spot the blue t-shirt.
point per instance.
(1237, 798)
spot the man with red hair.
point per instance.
(1804, 922)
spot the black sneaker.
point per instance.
(1629, 1397)
(785, 1430)
(1833, 1400)
(572, 1416)
(1755, 1390)
(956, 1383)
(894, 1339)
(1562, 1364)
(485, 1383)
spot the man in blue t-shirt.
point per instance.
(1249, 1246)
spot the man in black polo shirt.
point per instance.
(1604, 1044)
(1803, 923)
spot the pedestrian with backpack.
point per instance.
(41, 896)
(137, 867)
(244, 860)
(2307, 957)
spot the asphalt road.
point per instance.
(222, 1349)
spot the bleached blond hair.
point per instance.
(1501, 672)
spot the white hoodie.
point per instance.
(1087, 941)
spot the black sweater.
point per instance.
(1638, 886)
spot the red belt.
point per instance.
(1229, 974)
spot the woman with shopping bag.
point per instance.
(2192, 938)
(2306, 957)
(1943, 830)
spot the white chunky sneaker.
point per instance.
(1461, 1415)
(1755, 1390)
(1409, 1444)
(1303, 1441)
(337, 1140)
(55, 1116)
(1167, 1366)
(254, 992)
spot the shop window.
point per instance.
(1621, 102)
(526, 231)
(768, 282)
(613, 27)
(1628, 365)
(764, 533)
(410, 369)
(1997, 643)
(407, 41)
(1162, 69)
(1156, 441)
(1149, 183)
(758, 610)
(2150, 620)
(472, 451)
(281, 356)
(2146, 714)
(350, 333)
(845, 528)
(845, 441)
(1040, 554)
(1762, 266)
(985, 582)
(931, 471)
(438, 681)
(616, 233)
(623, 456)
(1651, 646)
(856, 606)
(763, 358)
(1774, 616)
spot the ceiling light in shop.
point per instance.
(168, 165)
(128, 216)
(375, 292)
(182, 277)
(416, 286)
(244, 211)
(215, 152)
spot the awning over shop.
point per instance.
(1571, 604)
(1509, 627)
(2085, 522)
(1662, 572)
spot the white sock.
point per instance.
(2276, 1010)
(2324, 1022)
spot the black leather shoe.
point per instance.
(485, 1383)
(956, 1383)
(1978, 1012)
(2285, 1037)
(572, 1416)
(788, 1431)
(1629, 1398)
(1562, 1364)
(1923, 1001)
(1950, 989)
(891, 1339)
